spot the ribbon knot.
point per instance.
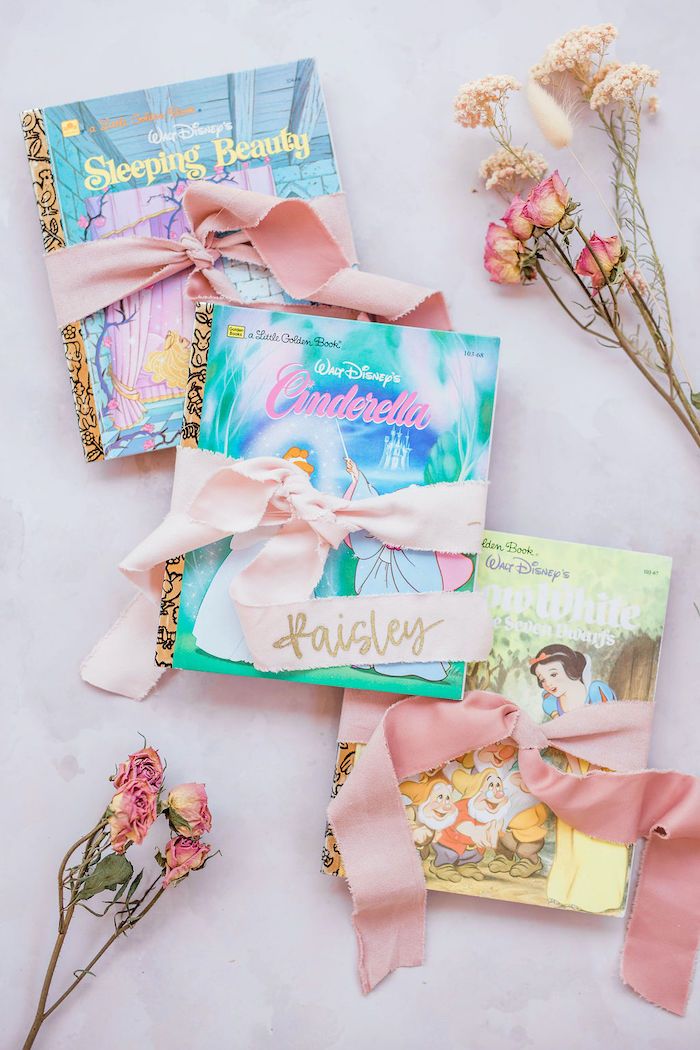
(529, 735)
(307, 245)
(384, 869)
(270, 503)
(201, 257)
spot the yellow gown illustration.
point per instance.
(586, 873)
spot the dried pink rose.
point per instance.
(183, 855)
(516, 222)
(188, 811)
(130, 814)
(502, 255)
(599, 260)
(547, 201)
(144, 766)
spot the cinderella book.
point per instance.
(117, 167)
(269, 383)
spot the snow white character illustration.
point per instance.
(383, 569)
(217, 629)
(586, 873)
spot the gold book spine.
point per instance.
(332, 863)
(54, 239)
(172, 579)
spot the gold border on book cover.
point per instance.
(174, 569)
(54, 239)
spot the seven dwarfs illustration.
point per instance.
(475, 817)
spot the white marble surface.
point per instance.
(258, 951)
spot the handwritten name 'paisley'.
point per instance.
(359, 638)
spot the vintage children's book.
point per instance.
(574, 625)
(281, 384)
(118, 167)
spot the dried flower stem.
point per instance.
(94, 841)
(611, 317)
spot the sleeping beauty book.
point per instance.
(363, 409)
(573, 625)
(117, 167)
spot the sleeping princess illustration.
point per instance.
(586, 873)
(383, 569)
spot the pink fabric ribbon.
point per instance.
(383, 866)
(274, 500)
(306, 245)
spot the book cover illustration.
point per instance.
(117, 167)
(574, 625)
(363, 408)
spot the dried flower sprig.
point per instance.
(96, 864)
(617, 289)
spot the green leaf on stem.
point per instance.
(112, 871)
(178, 823)
(695, 398)
(133, 887)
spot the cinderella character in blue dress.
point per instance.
(586, 873)
(383, 569)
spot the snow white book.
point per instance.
(364, 409)
(573, 625)
(117, 167)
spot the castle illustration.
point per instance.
(397, 451)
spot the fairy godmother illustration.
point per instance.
(383, 569)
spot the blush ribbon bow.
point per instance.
(384, 870)
(306, 245)
(272, 501)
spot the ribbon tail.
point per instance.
(123, 660)
(664, 929)
(371, 826)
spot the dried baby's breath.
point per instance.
(623, 85)
(578, 52)
(476, 102)
(507, 168)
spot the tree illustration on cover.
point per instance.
(383, 569)
(586, 873)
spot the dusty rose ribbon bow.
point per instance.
(385, 873)
(306, 245)
(271, 500)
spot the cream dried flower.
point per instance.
(623, 85)
(653, 104)
(476, 101)
(504, 170)
(576, 52)
(552, 119)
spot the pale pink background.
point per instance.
(258, 951)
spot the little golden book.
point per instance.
(573, 625)
(118, 166)
(364, 409)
